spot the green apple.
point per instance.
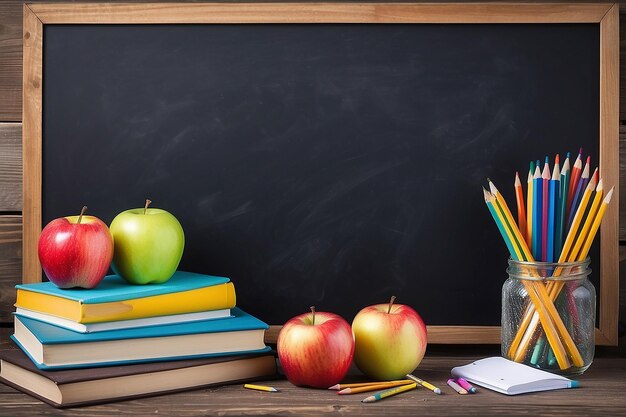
(148, 244)
(390, 341)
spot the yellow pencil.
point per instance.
(260, 388)
(373, 387)
(424, 384)
(365, 384)
(549, 317)
(389, 392)
(597, 200)
(596, 224)
(527, 327)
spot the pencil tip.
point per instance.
(607, 199)
(580, 151)
(336, 386)
(556, 159)
(547, 160)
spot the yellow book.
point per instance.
(114, 299)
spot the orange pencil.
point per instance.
(382, 386)
(577, 170)
(339, 387)
(521, 210)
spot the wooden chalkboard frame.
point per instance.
(606, 15)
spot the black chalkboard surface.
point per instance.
(330, 165)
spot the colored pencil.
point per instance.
(339, 387)
(521, 210)
(389, 392)
(596, 224)
(552, 209)
(466, 385)
(560, 230)
(501, 205)
(373, 387)
(538, 350)
(549, 317)
(556, 332)
(452, 384)
(424, 383)
(530, 320)
(580, 189)
(260, 388)
(573, 182)
(537, 204)
(529, 205)
(591, 215)
(545, 202)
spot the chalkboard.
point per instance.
(330, 165)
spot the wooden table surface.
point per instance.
(603, 393)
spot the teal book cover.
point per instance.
(114, 288)
(48, 334)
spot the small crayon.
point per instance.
(389, 392)
(456, 387)
(466, 385)
(424, 384)
(260, 388)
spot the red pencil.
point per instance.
(577, 170)
(545, 176)
(521, 209)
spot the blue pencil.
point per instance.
(537, 208)
(552, 210)
(561, 232)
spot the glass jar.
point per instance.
(549, 315)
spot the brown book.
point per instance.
(74, 387)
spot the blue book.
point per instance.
(53, 347)
(114, 288)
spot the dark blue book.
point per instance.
(53, 347)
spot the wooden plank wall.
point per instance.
(11, 163)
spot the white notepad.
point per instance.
(511, 378)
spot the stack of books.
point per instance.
(122, 341)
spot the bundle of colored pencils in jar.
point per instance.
(548, 303)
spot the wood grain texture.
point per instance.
(10, 167)
(10, 263)
(609, 171)
(10, 61)
(31, 142)
(320, 13)
(622, 183)
(601, 394)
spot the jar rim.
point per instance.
(549, 271)
(584, 263)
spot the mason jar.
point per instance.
(549, 315)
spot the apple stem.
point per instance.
(145, 208)
(393, 298)
(80, 217)
(313, 319)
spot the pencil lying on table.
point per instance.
(373, 387)
(388, 393)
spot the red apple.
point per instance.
(390, 340)
(315, 349)
(76, 251)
